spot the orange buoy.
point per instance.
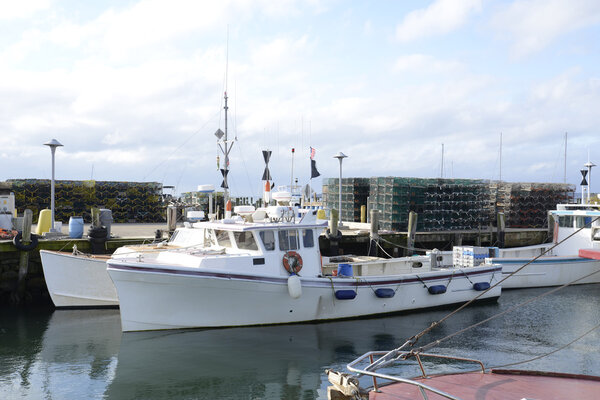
(228, 206)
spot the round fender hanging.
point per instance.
(18, 242)
(292, 262)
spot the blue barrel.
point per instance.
(344, 270)
(75, 227)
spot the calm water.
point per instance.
(82, 354)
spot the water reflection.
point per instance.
(83, 354)
(55, 355)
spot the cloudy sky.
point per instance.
(134, 89)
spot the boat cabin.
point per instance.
(265, 246)
(569, 218)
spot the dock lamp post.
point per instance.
(340, 156)
(53, 144)
(589, 166)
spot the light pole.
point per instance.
(589, 166)
(53, 144)
(340, 156)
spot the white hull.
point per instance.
(78, 281)
(161, 297)
(547, 271)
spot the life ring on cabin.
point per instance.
(18, 242)
(292, 262)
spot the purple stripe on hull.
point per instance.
(324, 281)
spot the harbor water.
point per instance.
(68, 354)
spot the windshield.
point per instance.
(245, 240)
(222, 238)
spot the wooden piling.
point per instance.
(24, 256)
(374, 233)
(333, 233)
(412, 231)
(95, 216)
(501, 226)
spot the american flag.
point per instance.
(312, 153)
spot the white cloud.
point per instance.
(440, 17)
(11, 9)
(424, 63)
(533, 24)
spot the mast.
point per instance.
(565, 171)
(226, 154)
(442, 167)
(292, 177)
(500, 155)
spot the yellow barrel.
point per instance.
(44, 222)
(321, 214)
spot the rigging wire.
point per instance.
(246, 170)
(201, 129)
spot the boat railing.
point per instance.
(404, 355)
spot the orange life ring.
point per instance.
(292, 262)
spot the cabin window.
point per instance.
(581, 222)
(223, 238)
(268, 239)
(288, 240)
(565, 221)
(245, 240)
(308, 239)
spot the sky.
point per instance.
(134, 89)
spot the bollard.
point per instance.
(374, 233)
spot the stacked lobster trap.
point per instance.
(355, 192)
(128, 201)
(447, 204)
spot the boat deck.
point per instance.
(497, 385)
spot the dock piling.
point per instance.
(374, 233)
(23, 257)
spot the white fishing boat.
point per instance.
(569, 258)
(75, 279)
(577, 228)
(270, 271)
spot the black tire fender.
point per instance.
(335, 238)
(18, 242)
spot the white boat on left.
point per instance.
(77, 280)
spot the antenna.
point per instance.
(226, 148)
(292, 178)
(442, 167)
(500, 155)
(565, 172)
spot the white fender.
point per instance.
(294, 286)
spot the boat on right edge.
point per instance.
(573, 256)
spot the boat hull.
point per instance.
(78, 281)
(547, 271)
(156, 297)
